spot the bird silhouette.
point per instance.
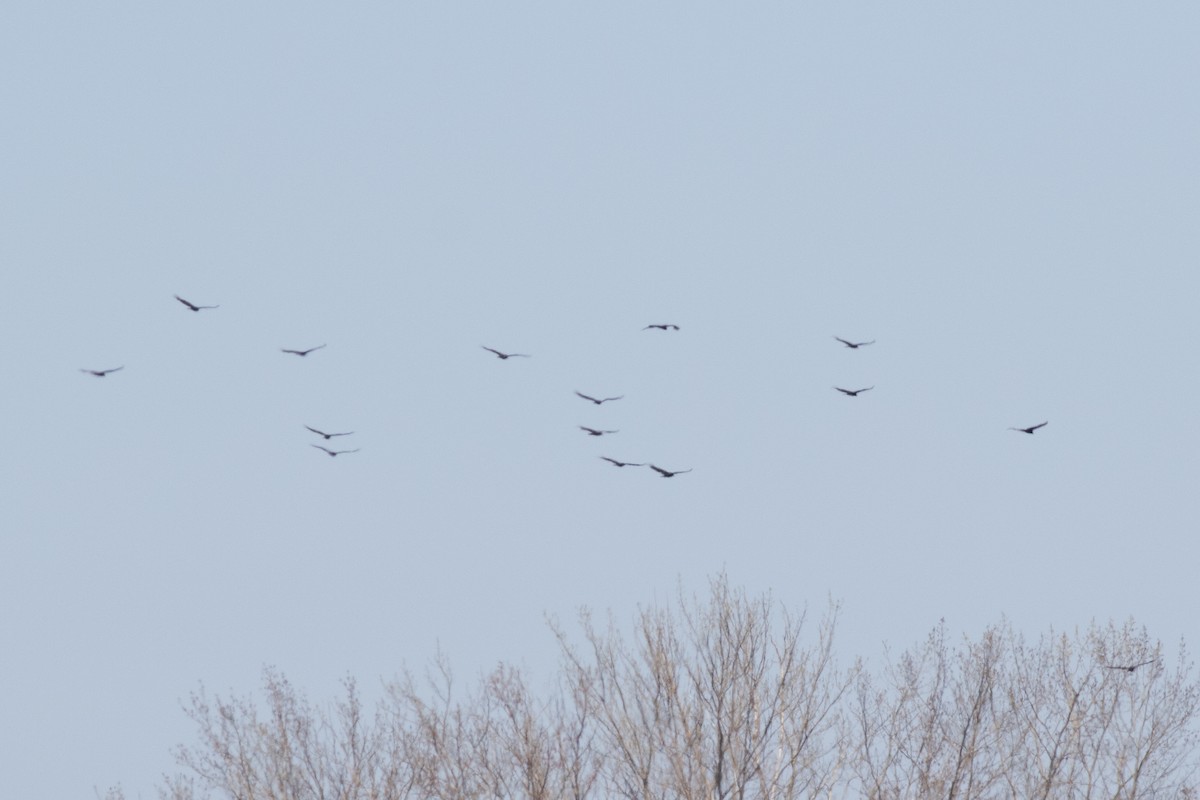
(336, 452)
(506, 355)
(666, 473)
(667, 327)
(193, 306)
(621, 463)
(594, 432)
(328, 435)
(597, 400)
(854, 345)
(853, 392)
(100, 373)
(1031, 428)
(301, 352)
(1131, 667)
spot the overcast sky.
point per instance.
(1004, 198)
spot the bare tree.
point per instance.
(727, 697)
(713, 702)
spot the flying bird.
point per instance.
(597, 400)
(668, 473)
(193, 306)
(328, 435)
(302, 352)
(506, 355)
(1131, 667)
(1031, 428)
(667, 327)
(336, 452)
(621, 463)
(594, 432)
(854, 345)
(853, 392)
(100, 373)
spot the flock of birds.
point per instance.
(599, 401)
(100, 373)
(590, 431)
(857, 392)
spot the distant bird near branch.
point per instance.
(853, 392)
(621, 463)
(666, 473)
(597, 400)
(328, 435)
(506, 355)
(335, 452)
(1131, 667)
(854, 345)
(1031, 428)
(193, 306)
(302, 353)
(666, 327)
(594, 432)
(100, 373)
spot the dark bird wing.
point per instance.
(592, 431)
(491, 350)
(319, 433)
(186, 303)
(843, 341)
(327, 450)
(605, 400)
(586, 397)
(1033, 428)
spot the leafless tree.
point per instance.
(727, 697)
(711, 701)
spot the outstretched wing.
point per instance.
(185, 302)
(586, 397)
(319, 433)
(1035, 427)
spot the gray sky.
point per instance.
(1004, 198)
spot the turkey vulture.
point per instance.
(853, 392)
(336, 452)
(505, 355)
(621, 463)
(854, 345)
(1031, 428)
(193, 306)
(302, 352)
(1131, 667)
(667, 327)
(596, 400)
(328, 435)
(594, 432)
(667, 473)
(100, 373)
